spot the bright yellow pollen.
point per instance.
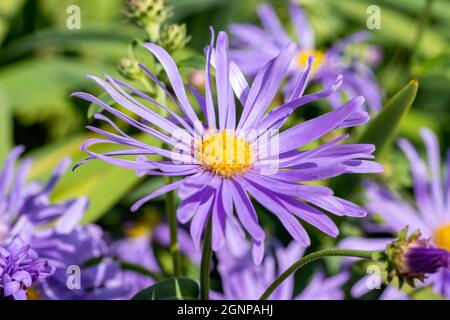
(442, 237)
(302, 58)
(223, 153)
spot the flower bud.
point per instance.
(148, 15)
(174, 37)
(129, 69)
(411, 258)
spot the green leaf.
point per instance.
(48, 83)
(171, 289)
(76, 39)
(104, 184)
(6, 139)
(95, 108)
(381, 130)
(396, 27)
(8, 9)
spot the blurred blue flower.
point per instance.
(54, 232)
(138, 249)
(243, 280)
(255, 46)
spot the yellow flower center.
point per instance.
(224, 153)
(137, 231)
(32, 294)
(302, 58)
(442, 237)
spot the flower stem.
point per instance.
(174, 246)
(206, 260)
(372, 255)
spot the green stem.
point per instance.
(206, 260)
(314, 256)
(174, 246)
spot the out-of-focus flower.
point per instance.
(429, 213)
(20, 267)
(222, 164)
(255, 46)
(51, 230)
(243, 280)
(138, 249)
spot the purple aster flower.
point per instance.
(255, 46)
(137, 249)
(429, 213)
(243, 280)
(52, 231)
(20, 267)
(224, 161)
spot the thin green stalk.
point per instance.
(173, 225)
(372, 255)
(206, 260)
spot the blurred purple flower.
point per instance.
(52, 231)
(429, 213)
(223, 164)
(255, 46)
(243, 280)
(20, 267)
(138, 249)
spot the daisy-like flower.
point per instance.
(243, 280)
(255, 46)
(137, 248)
(236, 153)
(20, 267)
(53, 232)
(429, 213)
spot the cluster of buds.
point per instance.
(411, 258)
(151, 16)
(148, 15)
(174, 37)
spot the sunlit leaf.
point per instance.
(104, 184)
(170, 289)
(382, 128)
(380, 131)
